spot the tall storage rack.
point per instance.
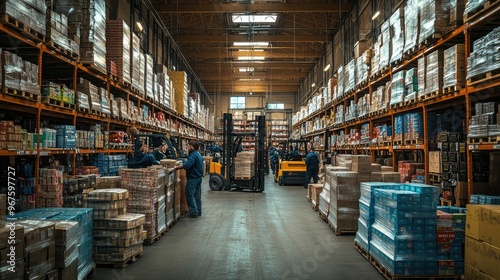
(54, 66)
(454, 99)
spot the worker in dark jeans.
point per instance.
(194, 173)
(312, 163)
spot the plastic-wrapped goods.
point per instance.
(412, 25)
(434, 73)
(472, 6)
(50, 188)
(135, 62)
(421, 70)
(457, 11)
(363, 70)
(118, 48)
(364, 105)
(324, 200)
(340, 86)
(397, 22)
(18, 74)
(93, 34)
(454, 66)
(149, 76)
(484, 57)
(413, 126)
(434, 19)
(484, 199)
(30, 12)
(398, 127)
(375, 61)
(109, 165)
(385, 49)
(398, 88)
(66, 136)
(164, 81)
(350, 75)
(344, 197)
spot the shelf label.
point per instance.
(408, 147)
(44, 153)
(20, 152)
(417, 146)
(394, 147)
(497, 146)
(471, 147)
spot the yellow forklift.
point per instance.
(291, 167)
(222, 172)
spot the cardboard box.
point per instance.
(435, 162)
(490, 225)
(482, 256)
(5, 232)
(5, 253)
(8, 275)
(461, 191)
(444, 221)
(316, 189)
(472, 273)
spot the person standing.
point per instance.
(312, 163)
(194, 173)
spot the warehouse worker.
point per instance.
(142, 158)
(274, 158)
(312, 163)
(294, 152)
(194, 173)
(161, 152)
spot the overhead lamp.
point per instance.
(138, 26)
(248, 79)
(326, 67)
(313, 85)
(250, 93)
(250, 50)
(250, 58)
(246, 69)
(251, 44)
(376, 15)
(262, 18)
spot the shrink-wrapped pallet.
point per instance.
(118, 48)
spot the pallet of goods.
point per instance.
(28, 17)
(483, 63)
(118, 49)
(118, 237)
(19, 77)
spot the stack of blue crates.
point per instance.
(450, 240)
(85, 219)
(109, 165)
(65, 136)
(398, 226)
(484, 199)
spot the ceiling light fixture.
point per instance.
(251, 44)
(313, 85)
(376, 15)
(326, 67)
(138, 26)
(262, 18)
(251, 58)
(248, 79)
(246, 69)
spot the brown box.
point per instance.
(18, 274)
(70, 272)
(52, 275)
(435, 162)
(5, 232)
(5, 253)
(316, 189)
(376, 177)
(391, 177)
(3, 205)
(461, 191)
(376, 167)
(482, 256)
(360, 47)
(472, 273)
(489, 228)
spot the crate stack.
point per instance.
(40, 216)
(483, 58)
(108, 182)
(485, 123)
(454, 162)
(411, 25)
(10, 136)
(66, 240)
(65, 136)
(135, 64)
(434, 19)
(398, 129)
(181, 90)
(18, 74)
(434, 72)
(18, 244)
(403, 234)
(149, 77)
(58, 29)
(413, 128)
(385, 48)
(482, 242)
(244, 165)
(118, 48)
(109, 165)
(397, 26)
(411, 84)
(165, 83)
(454, 67)
(50, 188)
(398, 88)
(118, 236)
(31, 14)
(92, 20)
(146, 188)
(450, 240)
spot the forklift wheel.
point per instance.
(216, 182)
(280, 181)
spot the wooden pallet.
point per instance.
(414, 141)
(362, 251)
(409, 102)
(430, 40)
(57, 103)
(397, 105)
(58, 48)
(83, 110)
(124, 84)
(384, 143)
(337, 231)
(397, 142)
(435, 177)
(411, 52)
(390, 276)
(94, 68)
(21, 94)
(429, 95)
(484, 78)
(26, 30)
(471, 15)
(452, 89)
(446, 202)
(120, 264)
(242, 178)
(112, 78)
(323, 217)
(152, 240)
(484, 140)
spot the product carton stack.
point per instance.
(166, 84)
(483, 59)
(454, 67)
(30, 14)
(397, 22)
(5, 248)
(181, 91)
(181, 206)
(118, 48)
(482, 242)
(50, 188)
(244, 165)
(150, 93)
(315, 190)
(434, 72)
(398, 88)
(434, 19)
(108, 182)
(450, 240)
(411, 26)
(117, 238)
(58, 29)
(83, 216)
(93, 34)
(66, 237)
(170, 196)
(19, 74)
(324, 196)
(135, 63)
(146, 188)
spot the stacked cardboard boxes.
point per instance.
(450, 240)
(5, 249)
(482, 242)
(434, 19)
(93, 34)
(411, 25)
(50, 188)
(117, 237)
(181, 91)
(454, 67)
(397, 23)
(118, 48)
(483, 59)
(434, 72)
(66, 238)
(244, 165)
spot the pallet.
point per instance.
(83, 110)
(429, 95)
(484, 78)
(120, 264)
(21, 94)
(414, 141)
(94, 68)
(362, 251)
(242, 178)
(484, 140)
(152, 240)
(124, 84)
(390, 276)
(479, 10)
(446, 202)
(323, 217)
(384, 143)
(411, 52)
(338, 231)
(26, 30)
(397, 142)
(57, 103)
(58, 48)
(397, 105)
(452, 89)
(135, 90)
(435, 177)
(409, 102)
(430, 40)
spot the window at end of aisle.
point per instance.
(274, 106)
(237, 102)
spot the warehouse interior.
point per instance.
(324, 139)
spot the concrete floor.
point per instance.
(270, 235)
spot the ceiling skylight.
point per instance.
(260, 18)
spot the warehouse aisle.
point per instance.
(270, 235)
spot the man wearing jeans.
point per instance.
(194, 173)
(312, 163)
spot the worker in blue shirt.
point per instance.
(141, 156)
(194, 173)
(294, 152)
(273, 158)
(312, 163)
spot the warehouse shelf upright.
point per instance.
(56, 67)
(464, 97)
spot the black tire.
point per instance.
(280, 181)
(216, 182)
